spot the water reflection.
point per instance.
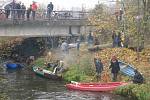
(23, 84)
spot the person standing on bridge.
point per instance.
(18, 9)
(23, 11)
(50, 7)
(34, 8)
(29, 12)
(7, 10)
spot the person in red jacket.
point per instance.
(34, 8)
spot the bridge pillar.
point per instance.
(70, 30)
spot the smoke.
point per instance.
(68, 58)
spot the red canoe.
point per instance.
(97, 87)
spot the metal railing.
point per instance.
(20, 14)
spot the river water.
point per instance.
(23, 84)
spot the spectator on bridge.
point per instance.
(49, 9)
(29, 12)
(18, 8)
(34, 8)
(7, 10)
(23, 11)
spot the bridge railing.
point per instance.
(20, 14)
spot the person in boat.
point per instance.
(59, 68)
(115, 68)
(52, 64)
(99, 68)
(30, 60)
(138, 78)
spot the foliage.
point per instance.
(101, 17)
(80, 72)
(3, 96)
(39, 62)
(74, 74)
(135, 91)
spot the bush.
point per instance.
(78, 73)
(39, 62)
(82, 71)
(135, 91)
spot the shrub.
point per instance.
(135, 91)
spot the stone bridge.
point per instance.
(61, 23)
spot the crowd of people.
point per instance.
(18, 10)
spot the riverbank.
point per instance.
(82, 69)
(141, 61)
(25, 85)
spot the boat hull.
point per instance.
(126, 69)
(46, 73)
(13, 65)
(95, 87)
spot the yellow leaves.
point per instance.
(129, 56)
(124, 54)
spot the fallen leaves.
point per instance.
(127, 55)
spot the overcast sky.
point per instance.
(65, 4)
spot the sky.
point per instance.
(65, 4)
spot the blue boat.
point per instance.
(13, 65)
(126, 69)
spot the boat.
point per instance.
(46, 73)
(11, 65)
(72, 45)
(95, 87)
(127, 69)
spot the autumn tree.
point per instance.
(101, 17)
(135, 21)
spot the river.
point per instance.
(23, 84)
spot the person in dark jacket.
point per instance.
(119, 39)
(23, 11)
(50, 7)
(113, 38)
(115, 68)
(99, 68)
(29, 12)
(90, 39)
(7, 10)
(18, 9)
(138, 78)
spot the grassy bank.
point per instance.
(135, 91)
